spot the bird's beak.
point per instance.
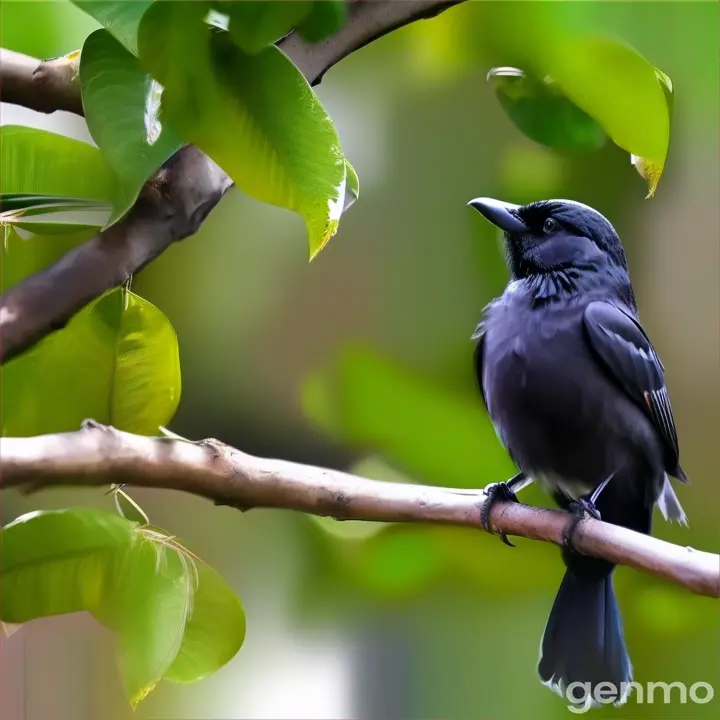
(504, 215)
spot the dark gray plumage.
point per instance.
(577, 395)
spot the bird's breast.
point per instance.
(550, 402)
(535, 357)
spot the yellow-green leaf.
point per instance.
(255, 115)
(117, 361)
(148, 605)
(214, 631)
(59, 561)
(620, 90)
(38, 162)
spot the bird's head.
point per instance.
(553, 235)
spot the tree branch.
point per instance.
(174, 203)
(44, 86)
(170, 208)
(101, 455)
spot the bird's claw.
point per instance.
(497, 492)
(580, 510)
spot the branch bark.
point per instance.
(43, 86)
(101, 455)
(175, 202)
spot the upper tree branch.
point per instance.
(99, 455)
(175, 201)
(43, 86)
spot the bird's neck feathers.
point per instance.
(568, 283)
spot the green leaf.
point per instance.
(667, 88)
(352, 185)
(617, 87)
(214, 631)
(174, 617)
(324, 20)
(255, 115)
(59, 561)
(49, 215)
(255, 25)
(37, 162)
(151, 598)
(543, 113)
(10, 202)
(117, 361)
(122, 108)
(119, 18)
(649, 170)
(60, 222)
(371, 402)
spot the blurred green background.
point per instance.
(362, 360)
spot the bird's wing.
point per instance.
(479, 335)
(627, 354)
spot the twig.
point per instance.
(100, 455)
(175, 201)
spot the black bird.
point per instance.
(577, 395)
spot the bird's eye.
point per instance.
(550, 225)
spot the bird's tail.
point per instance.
(583, 643)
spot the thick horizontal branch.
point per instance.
(44, 86)
(99, 455)
(174, 203)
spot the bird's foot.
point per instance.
(496, 492)
(580, 510)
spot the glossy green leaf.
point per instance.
(117, 361)
(214, 632)
(37, 162)
(59, 561)
(352, 185)
(151, 598)
(255, 115)
(371, 402)
(543, 113)
(122, 109)
(255, 25)
(119, 18)
(619, 89)
(324, 20)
